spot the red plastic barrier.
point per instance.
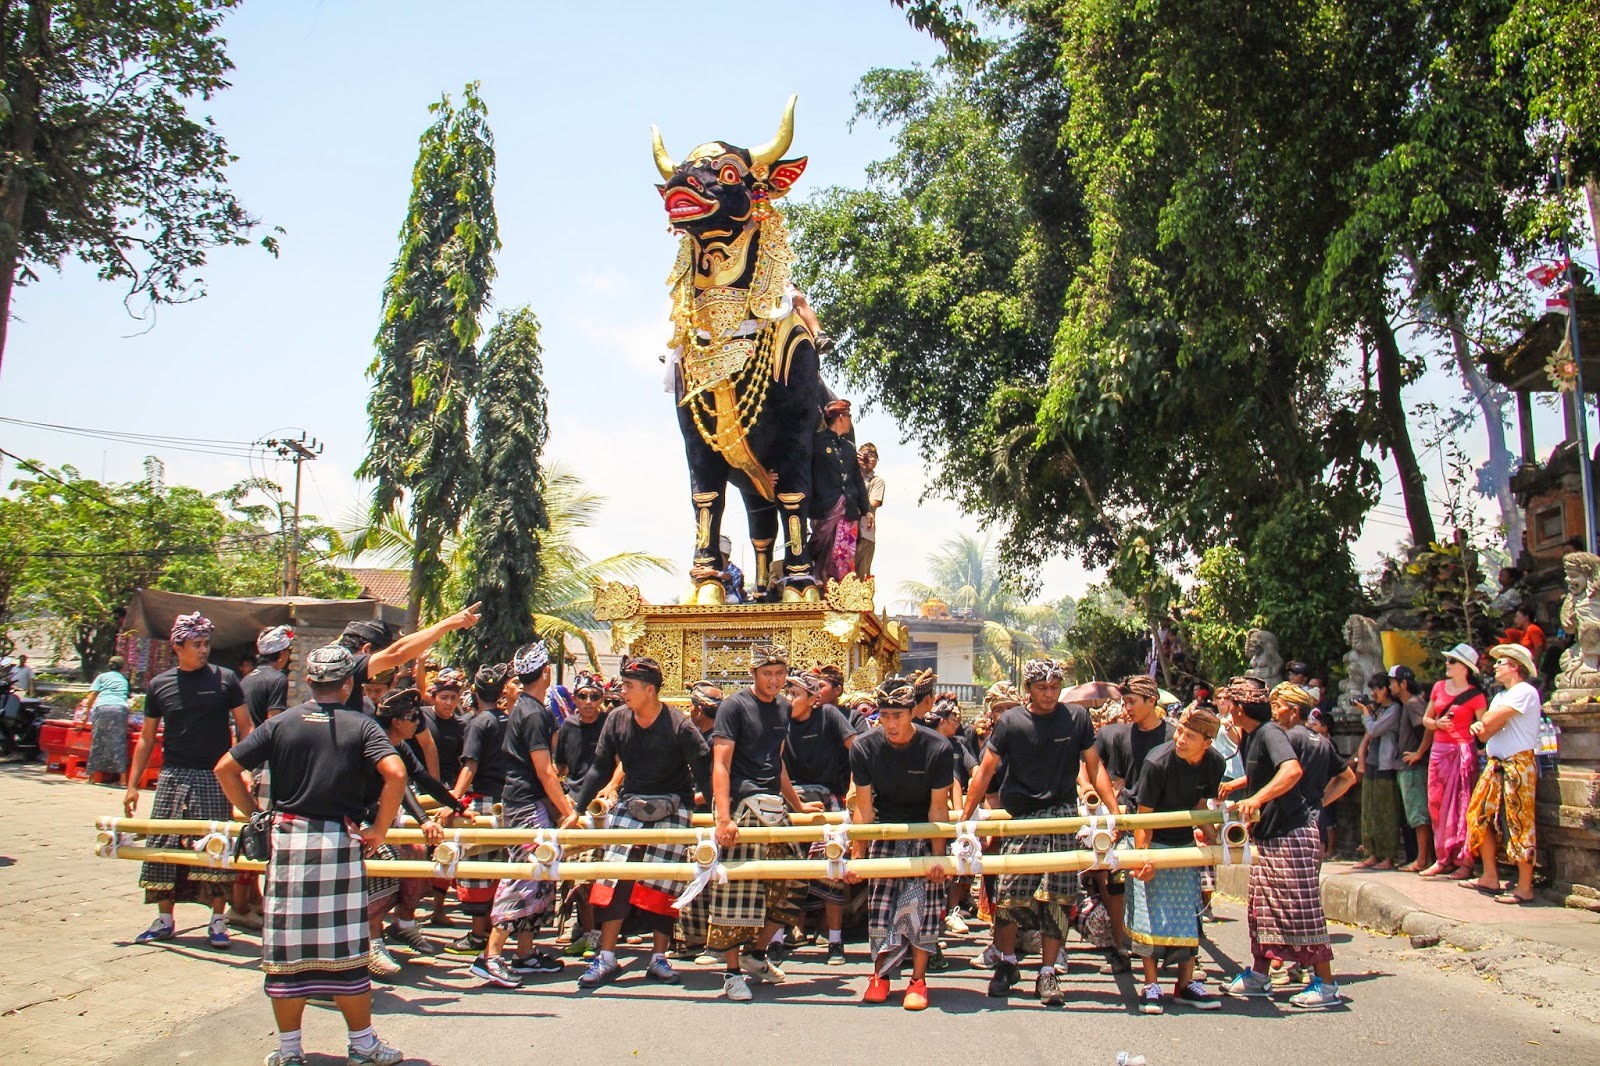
(65, 747)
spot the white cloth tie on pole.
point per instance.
(705, 870)
(838, 836)
(967, 850)
(550, 871)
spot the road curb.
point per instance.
(1564, 979)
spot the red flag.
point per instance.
(1558, 303)
(1545, 274)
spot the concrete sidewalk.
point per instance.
(1545, 952)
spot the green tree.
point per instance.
(100, 156)
(965, 575)
(1109, 639)
(508, 517)
(1219, 614)
(426, 369)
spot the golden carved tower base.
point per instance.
(693, 641)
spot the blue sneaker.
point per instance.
(160, 929)
(217, 934)
(599, 972)
(661, 970)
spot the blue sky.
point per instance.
(328, 100)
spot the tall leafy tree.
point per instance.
(100, 155)
(426, 368)
(508, 515)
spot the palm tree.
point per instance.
(965, 574)
(568, 576)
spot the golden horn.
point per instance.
(773, 150)
(664, 161)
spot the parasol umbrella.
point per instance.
(1092, 690)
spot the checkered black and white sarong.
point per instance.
(1284, 908)
(619, 818)
(1022, 890)
(902, 912)
(314, 931)
(186, 794)
(477, 895)
(822, 892)
(740, 908)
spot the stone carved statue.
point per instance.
(1580, 616)
(1364, 659)
(1266, 662)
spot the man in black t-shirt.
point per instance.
(377, 648)
(203, 708)
(578, 735)
(817, 756)
(902, 774)
(1285, 900)
(1163, 905)
(1324, 776)
(663, 758)
(1044, 745)
(750, 787)
(478, 785)
(531, 799)
(315, 941)
(266, 689)
(443, 723)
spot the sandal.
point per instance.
(1512, 899)
(1487, 890)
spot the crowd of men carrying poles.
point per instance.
(801, 801)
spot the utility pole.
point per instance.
(1591, 536)
(301, 451)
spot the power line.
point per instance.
(154, 441)
(68, 485)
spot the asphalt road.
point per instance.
(1404, 1006)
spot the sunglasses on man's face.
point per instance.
(587, 699)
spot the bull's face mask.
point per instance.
(719, 188)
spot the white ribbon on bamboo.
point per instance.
(111, 839)
(836, 847)
(456, 850)
(967, 850)
(215, 844)
(546, 843)
(706, 868)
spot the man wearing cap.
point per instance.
(838, 495)
(532, 798)
(902, 774)
(266, 689)
(1043, 744)
(378, 650)
(817, 757)
(315, 939)
(750, 787)
(663, 759)
(1163, 905)
(203, 708)
(1500, 813)
(867, 536)
(1285, 914)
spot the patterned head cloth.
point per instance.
(768, 655)
(1002, 695)
(370, 631)
(1140, 685)
(531, 659)
(589, 683)
(642, 668)
(834, 408)
(1041, 671)
(330, 665)
(706, 697)
(448, 678)
(923, 681)
(1202, 721)
(1291, 693)
(275, 641)
(191, 627)
(1245, 690)
(831, 674)
(809, 682)
(399, 703)
(489, 683)
(858, 700)
(613, 693)
(945, 706)
(897, 693)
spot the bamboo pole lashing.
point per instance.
(579, 838)
(755, 870)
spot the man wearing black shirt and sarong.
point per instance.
(314, 941)
(478, 785)
(580, 733)
(1043, 745)
(203, 708)
(663, 758)
(751, 787)
(817, 756)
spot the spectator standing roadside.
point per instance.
(22, 677)
(1377, 762)
(314, 941)
(1500, 813)
(108, 719)
(1412, 777)
(867, 535)
(1453, 707)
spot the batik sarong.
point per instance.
(1039, 901)
(1452, 769)
(739, 909)
(1380, 817)
(314, 924)
(833, 544)
(1502, 805)
(187, 795)
(108, 741)
(1161, 913)
(521, 905)
(1285, 899)
(822, 892)
(902, 912)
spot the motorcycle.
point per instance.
(21, 718)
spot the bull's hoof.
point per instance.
(710, 594)
(798, 593)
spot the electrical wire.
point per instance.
(153, 441)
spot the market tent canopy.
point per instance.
(238, 620)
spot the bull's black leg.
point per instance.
(708, 490)
(763, 521)
(794, 405)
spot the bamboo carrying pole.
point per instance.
(587, 838)
(757, 870)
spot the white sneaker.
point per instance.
(763, 970)
(736, 988)
(990, 958)
(1317, 996)
(955, 925)
(379, 962)
(1248, 985)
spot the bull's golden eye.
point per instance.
(729, 175)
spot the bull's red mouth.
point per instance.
(683, 205)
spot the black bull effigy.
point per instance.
(744, 367)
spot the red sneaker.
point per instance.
(877, 990)
(916, 996)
